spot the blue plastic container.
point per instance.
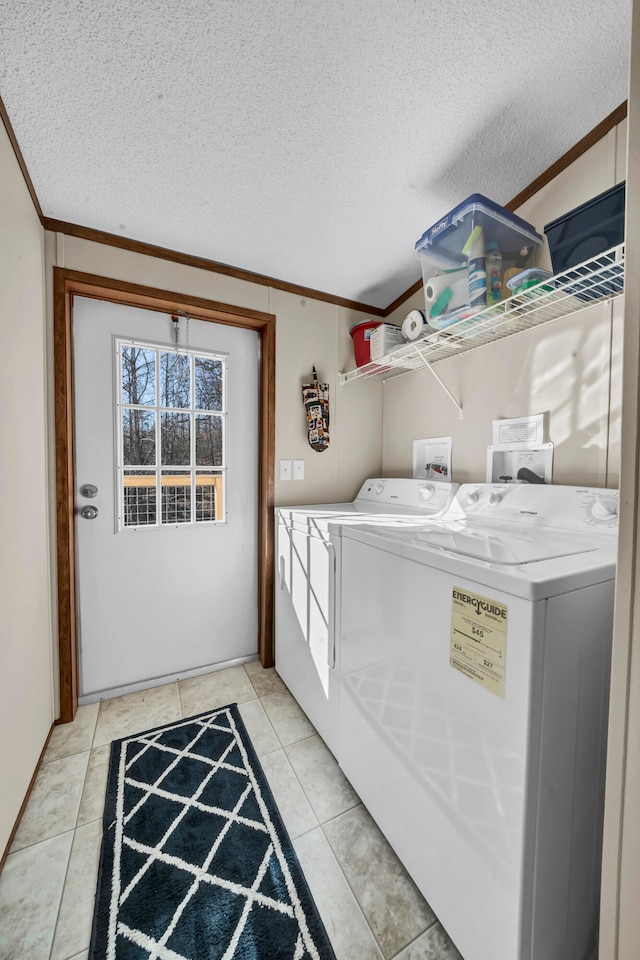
(455, 243)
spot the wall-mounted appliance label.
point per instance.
(479, 639)
(522, 430)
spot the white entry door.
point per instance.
(167, 453)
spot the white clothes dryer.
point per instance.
(307, 601)
(475, 662)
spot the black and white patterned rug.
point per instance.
(196, 863)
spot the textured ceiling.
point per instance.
(313, 142)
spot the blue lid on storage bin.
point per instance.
(444, 241)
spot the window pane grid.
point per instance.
(139, 499)
(209, 498)
(176, 498)
(161, 428)
(205, 503)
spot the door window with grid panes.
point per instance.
(171, 433)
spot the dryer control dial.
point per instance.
(472, 497)
(379, 488)
(604, 508)
(495, 498)
(426, 492)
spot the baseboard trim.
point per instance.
(110, 693)
(26, 800)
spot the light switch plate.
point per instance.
(285, 469)
(298, 469)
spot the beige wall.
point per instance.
(569, 369)
(26, 701)
(308, 332)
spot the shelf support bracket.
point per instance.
(429, 367)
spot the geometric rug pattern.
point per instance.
(196, 863)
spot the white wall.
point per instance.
(26, 702)
(569, 369)
(308, 332)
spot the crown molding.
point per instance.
(21, 161)
(201, 263)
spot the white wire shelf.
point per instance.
(579, 288)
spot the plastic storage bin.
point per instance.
(587, 231)
(525, 281)
(361, 335)
(452, 255)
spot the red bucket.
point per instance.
(361, 335)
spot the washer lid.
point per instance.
(319, 516)
(501, 544)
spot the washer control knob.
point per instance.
(379, 487)
(495, 498)
(604, 508)
(425, 493)
(472, 497)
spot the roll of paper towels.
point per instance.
(437, 285)
(414, 325)
(447, 291)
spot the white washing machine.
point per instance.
(307, 601)
(475, 660)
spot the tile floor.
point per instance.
(370, 907)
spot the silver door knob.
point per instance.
(89, 513)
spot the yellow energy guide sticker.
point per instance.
(479, 639)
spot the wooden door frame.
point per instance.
(72, 283)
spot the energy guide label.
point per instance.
(479, 639)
